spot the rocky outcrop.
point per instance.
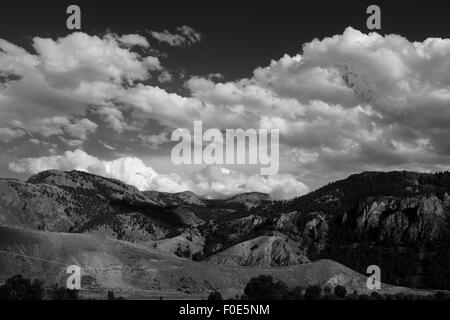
(309, 229)
(244, 226)
(371, 212)
(287, 223)
(426, 217)
(393, 227)
(420, 218)
(316, 230)
(265, 251)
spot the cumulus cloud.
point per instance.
(67, 75)
(357, 101)
(183, 36)
(9, 134)
(154, 141)
(90, 58)
(72, 142)
(211, 181)
(165, 76)
(132, 40)
(113, 117)
(130, 170)
(81, 128)
(347, 103)
(61, 124)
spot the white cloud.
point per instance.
(183, 35)
(165, 76)
(132, 40)
(130, 170)
(347, 103)
(60, 124)
(113, 117)
(74, 143)
(353, 100)
(211, 181)
(66, 76)
(154, 141)
(89, 58)
(81, 128)
(9, 134)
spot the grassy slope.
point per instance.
(138, 272)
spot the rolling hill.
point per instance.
(134, 271)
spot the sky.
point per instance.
(106, 98)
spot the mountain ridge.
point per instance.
(357, 221)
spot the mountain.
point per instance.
(396, 207)
(176, 199)
(81, 202)
(396, 220)
(249, 199)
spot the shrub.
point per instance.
(440, 296)
(313, 292)
(329, 296)
(110, 295)
(340, 291)
(59, 293)
(19, 288)
(215, 296)
(351, 296)
(376, 296)
(198, 256)
(295, 294)
(265, 288)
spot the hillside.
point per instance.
(265, 251)
(249, 199)
(80, 202)
(397, 220)
(134, 271)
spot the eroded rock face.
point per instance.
(393, 227)
(446, 201)
(244, 226)
(426, 217)
(265, 251)
(316, 230)
(371, 213)
(307, 228)
(420, 218)
(287, 223)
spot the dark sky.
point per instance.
(240, 35)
